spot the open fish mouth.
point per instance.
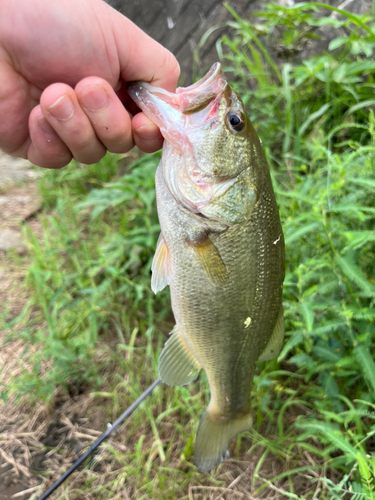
(200, 94)
(185, 117)
(170, 111)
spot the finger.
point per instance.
(14, 109)
(146, 134)
(109, 119)
(46, 149)
(61, 109)
(142, 58)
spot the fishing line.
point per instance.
(102, 438)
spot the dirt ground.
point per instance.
(26, 433)
(19, 203)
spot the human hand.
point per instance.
(52, 108)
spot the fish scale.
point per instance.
(221, 251)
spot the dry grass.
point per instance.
(39, 442)
(18, 205)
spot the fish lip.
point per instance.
(215, 72)
(148, 97)
(136, 87)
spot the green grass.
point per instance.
(90, 271)
(96, 322)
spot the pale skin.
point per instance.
(64, 65)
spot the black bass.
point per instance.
(221, 251)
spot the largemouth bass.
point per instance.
(221, 251)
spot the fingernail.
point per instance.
(62, 109)
(45, 126)
(148, 132)
(94, 98)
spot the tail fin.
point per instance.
(213, 439)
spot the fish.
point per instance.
(220, 250)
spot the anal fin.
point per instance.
(275, 343)
(177, 365)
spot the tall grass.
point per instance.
(90, 275)
(316, 123)
(90, 271)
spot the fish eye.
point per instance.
(236, 121)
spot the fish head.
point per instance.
(209, 145)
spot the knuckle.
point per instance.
(53, 155)
(119, 141)
(53, 163)
(120, 148)
(172, 65)
(89, 158)
(80, 136)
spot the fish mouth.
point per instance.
(198, 95)
(176, 114)
(169, 110)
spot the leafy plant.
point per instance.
(91, 272)
(91, 276)
(316, 123)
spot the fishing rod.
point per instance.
(102, 438)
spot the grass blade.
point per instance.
(366, 364)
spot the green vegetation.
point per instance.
(90, 272)
(90, 277)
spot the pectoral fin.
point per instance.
(160, 266)
(275, 343)
(210, 258)
(177, 365)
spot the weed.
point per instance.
(91, 275)
(315, 121)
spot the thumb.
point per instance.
(141, 57)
